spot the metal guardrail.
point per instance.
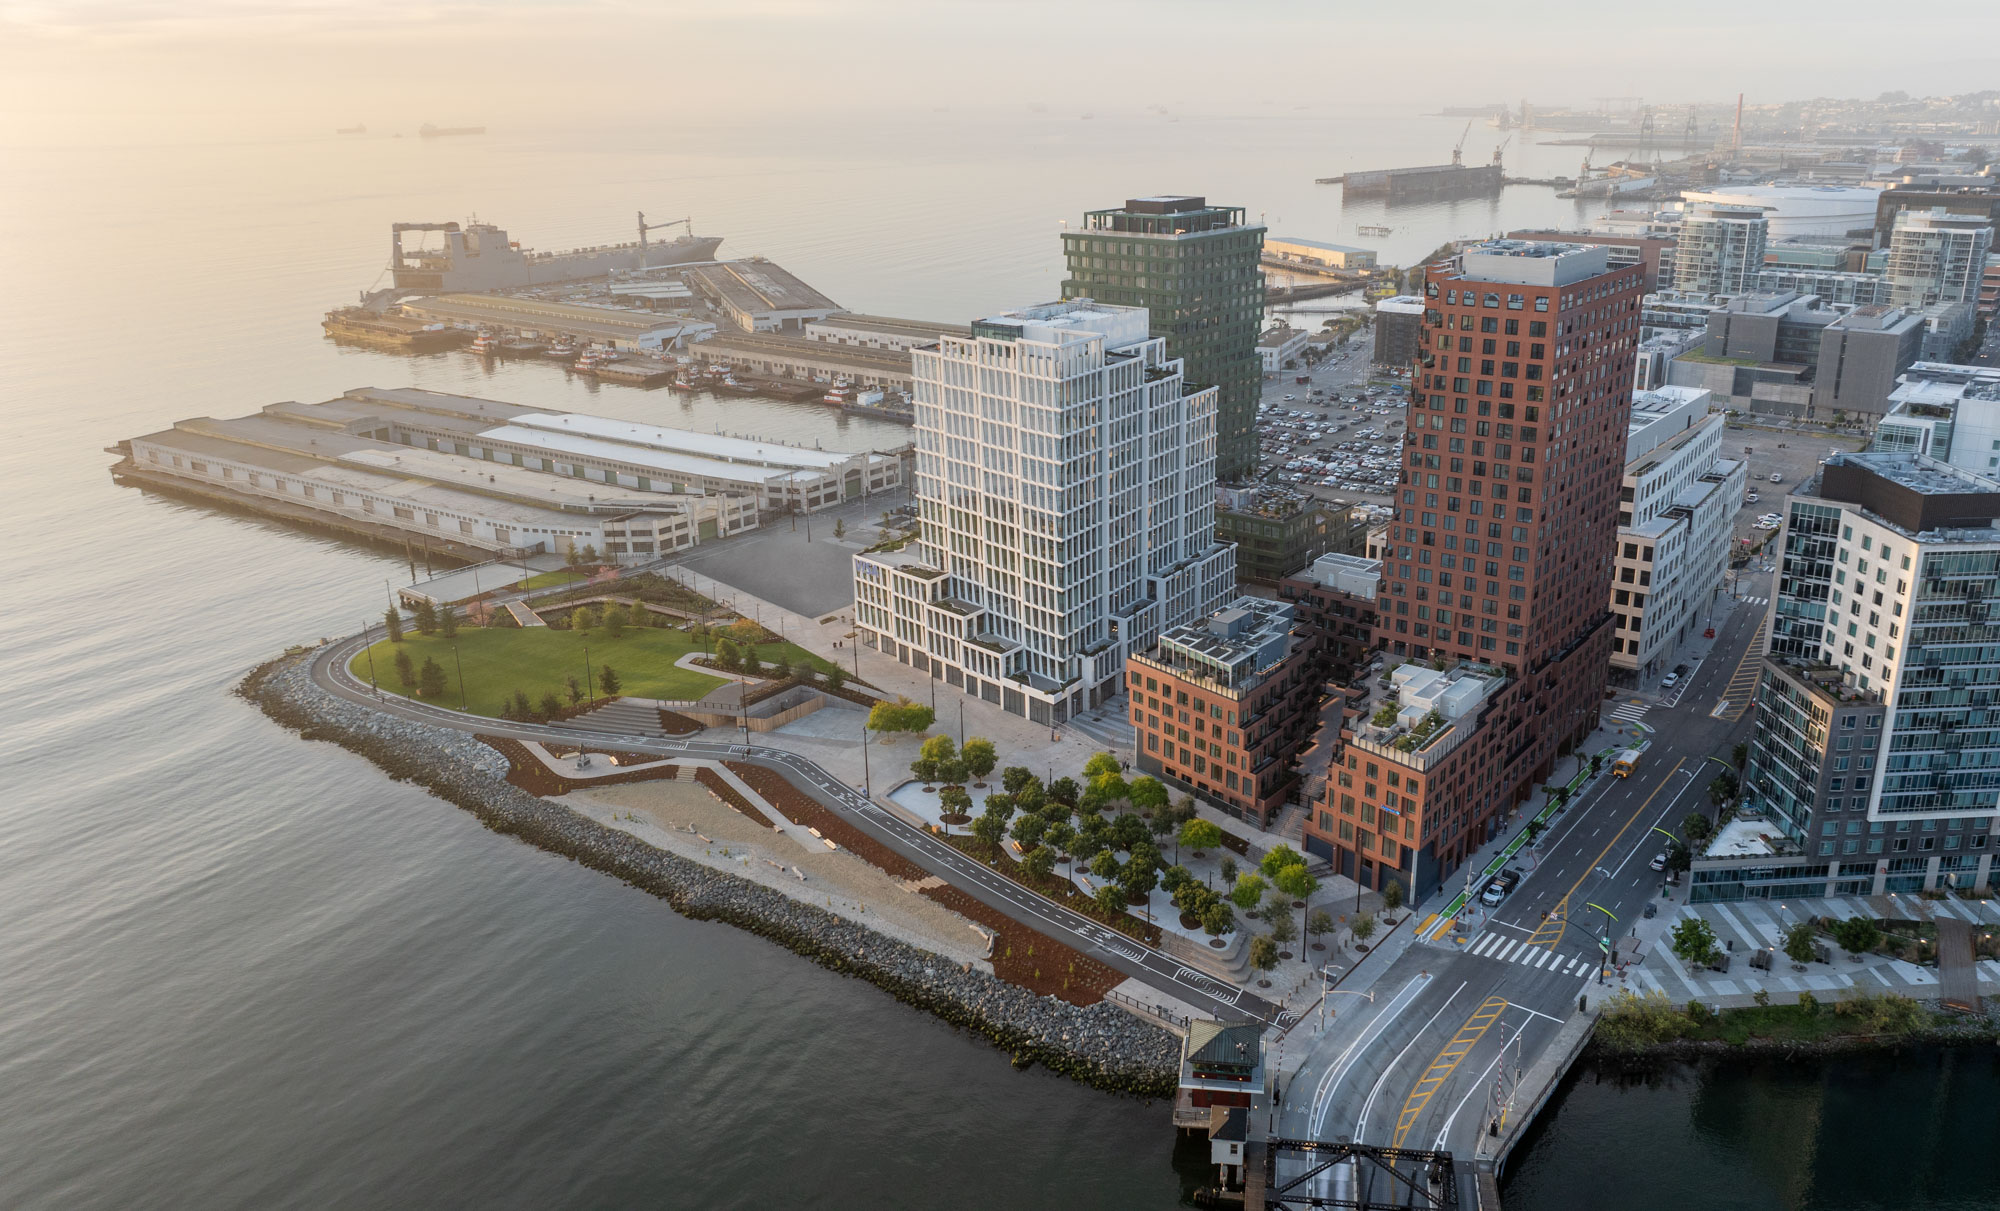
(1155, 1011)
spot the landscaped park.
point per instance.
(567, 665)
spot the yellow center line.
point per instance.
(1551, 929)
(1445, 1063)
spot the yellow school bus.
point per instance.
(1622, 764)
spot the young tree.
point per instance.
(393, 623)
(1693, 941)
(1295, 882)
(990, 828)
(589, 553)
(1060, 837)
(406, 670)
(574, 687)
(1228, 870)
(607, 680)
(1110, 899)
(1695, 827)
(1278, 859)
(750, 666)
(726, 655)
(1392, 896)
(1363, 926)
(1146, 794)
(448, 620)
(1197, 835)
(1248, 890)
(1320, 922)
(1678, 858)
(1138, 879)
(835, 677)
(743, 630)
(1001, 802)
(1217, 919)
(616, 619)
(1263, 953)
(523, 709)
(430, 678)
(579, 620)
(1100, 763)
(941, 753)
(839, 528)
(551, 706)
(781, 668)
(1282, 929)
(426, 617)
(979, 757)
(1856, 935)
(570, 556)
(1739, 755)
(1801, 943)
(1029, 830)
(1040, 863)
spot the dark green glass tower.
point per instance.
(1195, 268)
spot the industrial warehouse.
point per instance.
(477, 477)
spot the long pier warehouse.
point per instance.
(483, 476)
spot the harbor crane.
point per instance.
(1502, 147)
(645, 227)
(1459, 151)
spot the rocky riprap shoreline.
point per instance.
(1099, 1045)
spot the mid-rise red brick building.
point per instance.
(1499, 558)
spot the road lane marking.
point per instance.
(1337, 1072)
(1444, 1064)
(1552, 929)
(1361, 1123)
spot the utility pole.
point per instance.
(461, 678)
(589, 686)
(369, 648)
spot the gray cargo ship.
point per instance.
(480, 256)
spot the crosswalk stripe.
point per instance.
(1543, 961)
(1486, 944)
(1508, 954)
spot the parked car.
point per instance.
(1670, 681)
(1777, 478)
(1493, 894)
(1659, 861)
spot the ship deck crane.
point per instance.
(645, 227)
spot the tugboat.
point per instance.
(485, 346)
(588, 363)
(839, 395)
(681, 382)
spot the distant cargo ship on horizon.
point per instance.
(432, 132)
(480, 256)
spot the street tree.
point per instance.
(955, 801)
(990, 828)
(574, 687)
(1362, 926)
(607, 680)
(616, 619)
(1146, 794)
(1014, 777)
(1282, 929)
(430, 678)
(406, 669)
(551, 706)
(1111, 899)
(1129, 832)
(1197, 835)
(727, 655)
(1060, 837)
(579, 620)
(1278, 859)
(839, 528)
(589, 553)
(1217, 919)
(425, 616)
(1320, 922)
(751, 667)
(1392, 896)
(1801, 942)
(1693, 941)
(392, 622)
(1173, 878)
(1104, 865)
(1263, 953)
(1296, 882)
(1857, 935)
(1100, 763)
(1678, 858)
(979, 757)
(835, 677)
(523, 709)
(1040, 863)
(1138, 879)
(1064, 791)
(1695, 827)
(1248, 891)
(1029, 830)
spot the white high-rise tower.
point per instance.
(1065, 485)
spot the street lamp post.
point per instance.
(369, 648)
(589, 685)
(460, 665)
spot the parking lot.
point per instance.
(1336, 435)
(1793, 457)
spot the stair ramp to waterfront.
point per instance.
(525, 616)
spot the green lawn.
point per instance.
(536, 660)
(548, 580)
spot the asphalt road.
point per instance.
(989, 887)
(1416, 1065)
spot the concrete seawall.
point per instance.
(1100, 1045)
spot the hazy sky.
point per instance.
(87, 69)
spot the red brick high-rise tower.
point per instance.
(1507, 509)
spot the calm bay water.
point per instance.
(239, 970)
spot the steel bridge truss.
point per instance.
(1357, 1178)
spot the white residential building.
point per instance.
(1721, 248)
(1674, 524)
(1946, 412)
(1937, 257)
(1065, 482)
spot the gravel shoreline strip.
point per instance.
(1099, 1045)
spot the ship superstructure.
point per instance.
(481, 256)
